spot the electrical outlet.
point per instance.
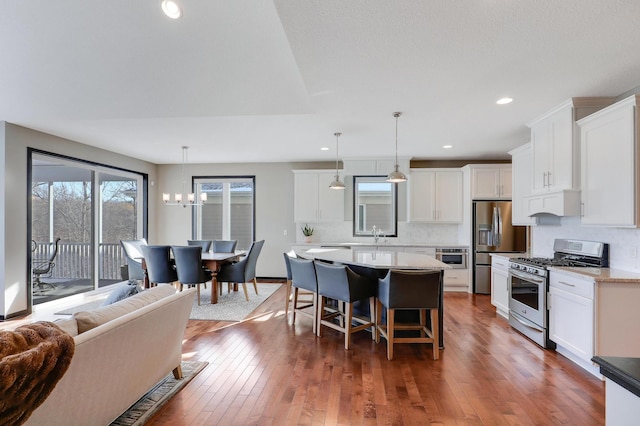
(633, 252)
(285, 232)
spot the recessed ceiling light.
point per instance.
(171, 8)
(447, 146)
(324, 148)
(504, 101)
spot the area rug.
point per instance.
(153, 400)
(231, 306)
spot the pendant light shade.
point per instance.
(396, 175)
(337, 184)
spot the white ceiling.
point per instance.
(260, 80)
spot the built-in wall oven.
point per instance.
(529, 284)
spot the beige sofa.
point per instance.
(122, 351)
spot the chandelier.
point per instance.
(178, 199)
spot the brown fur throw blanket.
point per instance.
(33, 358)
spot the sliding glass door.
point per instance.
(79, 213)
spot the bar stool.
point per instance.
(409, 290)
(303, 276)
(342, 284)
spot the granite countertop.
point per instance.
(601, 275)
(622, 370)
(509, 255)
(377, 259)
(380, 244)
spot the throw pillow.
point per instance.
(121, 293)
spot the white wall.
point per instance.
(274, 208)
(624, 244)
(14, 247)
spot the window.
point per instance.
(229, 211)
(374, 204)
(91, 208)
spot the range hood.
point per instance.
(560, 203)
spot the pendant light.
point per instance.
(336, 184)
(396, 175)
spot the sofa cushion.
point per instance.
(90, 319)
(121, 293)
(68, 325)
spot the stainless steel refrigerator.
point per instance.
(493, 233)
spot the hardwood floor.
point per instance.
(266, 371)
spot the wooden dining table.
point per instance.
(379, 261)
(213, 261)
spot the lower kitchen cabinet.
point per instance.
(500, 285)
(456, 280)
(594, 315)
(571, 315)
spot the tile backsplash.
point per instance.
(624, 244)
(408, 233)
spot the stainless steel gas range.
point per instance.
(529, 284)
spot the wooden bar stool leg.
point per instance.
(321, 301)
(378, 320)
(315, 309)
(373, 317)
(435, 333)
(390, 330)
(348, 318)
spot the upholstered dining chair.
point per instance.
(244, 270)
(287, 264)
(303, 276)
(133, 254)
(224, 246)
(160, 266)
(204, 244)
(340, 283)
(189, 267)
(415, 290)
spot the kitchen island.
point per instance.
(375, 263)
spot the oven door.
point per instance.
(527, 295)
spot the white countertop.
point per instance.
(377, 259)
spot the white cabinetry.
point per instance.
(555, 154)
(609, 155)
(571, 316)
(500, 285)
(435, 195)
(314, 201)
(521, 185)
(375, 167)
(553, 159)
(490, 181)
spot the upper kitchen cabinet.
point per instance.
(372, 167)
(314, 201)
(521, 185)
(555, 156)
(490, 181)
(609, 159)
(435, 195)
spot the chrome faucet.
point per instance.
(376, 234)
